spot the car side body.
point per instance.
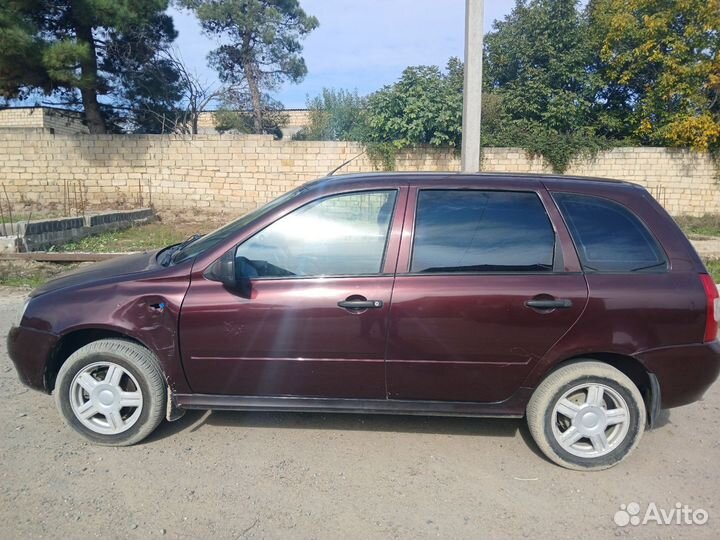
(452, 343)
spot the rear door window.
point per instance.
(608, 236)
(481, 231)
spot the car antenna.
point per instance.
(336, 169)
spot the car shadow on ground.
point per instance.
(195, 420)
(494, 427)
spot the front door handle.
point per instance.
(360, 304)
(560, 303)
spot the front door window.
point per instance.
(336, 236)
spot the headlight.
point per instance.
(24, 309)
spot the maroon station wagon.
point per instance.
(576, 303)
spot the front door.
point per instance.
(315, 321)
(484, 295)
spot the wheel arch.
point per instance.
(633, 368)
(74, 340)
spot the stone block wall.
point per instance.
(231, 174)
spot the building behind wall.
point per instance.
(49, 119)
(297, 119)
(67, 122)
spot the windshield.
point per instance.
(218, 236)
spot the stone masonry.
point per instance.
(231, 174)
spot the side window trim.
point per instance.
(655, 245)
(397, 202)
(557, 256)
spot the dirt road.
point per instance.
(240, 475)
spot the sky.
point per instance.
(360, 44)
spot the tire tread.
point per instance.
(544, 393)
(145, 362)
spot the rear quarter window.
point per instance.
(608, 236)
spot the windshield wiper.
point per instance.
(173, 251)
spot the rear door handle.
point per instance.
(360, 304)
(560, 303)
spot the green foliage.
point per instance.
(537, 58)
(238, 121)
(557, 148)
(494, 116)
(60, 59)
(79, 50)
(335, 115)
(706, 225)
(21, 50)
(713, 267)
(261, 45)
(234, 116)
(151, 97)
(540, 93)
(537, 62)
(661, 61)
(423, 107)
(152, 236)
(147, 81)
(382, 154)
(28, 274)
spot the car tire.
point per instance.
(112, 392)
(586, 415)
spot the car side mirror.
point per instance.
(231, 273)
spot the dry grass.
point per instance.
(31, 274)
(143, 237)
(699, 227)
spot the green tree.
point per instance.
(538, 61)
(423, 107)
(150, 99)
(661, 61)
(232, 115)
(70, 47)
(262, 45)
(147, 86)
(167, 96)
(335, 115)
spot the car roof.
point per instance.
(551, 181)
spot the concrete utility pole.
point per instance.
(472, 92)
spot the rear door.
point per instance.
(486, 285)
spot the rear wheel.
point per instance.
(586, 416)
(112, 392)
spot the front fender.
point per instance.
(145, 310)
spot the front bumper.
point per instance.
(684, 372)
(30, 350)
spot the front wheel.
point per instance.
(586, 415)
(112, 392)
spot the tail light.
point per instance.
(713, 307)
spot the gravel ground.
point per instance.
(259, 475)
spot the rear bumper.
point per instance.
(684, 372)
(30, 350)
